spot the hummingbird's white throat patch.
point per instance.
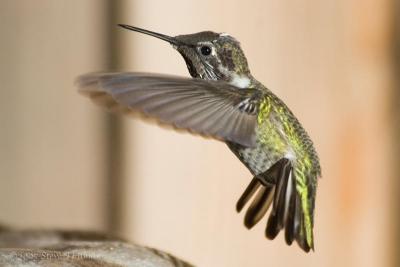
(240, 81)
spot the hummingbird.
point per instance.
(223, 101)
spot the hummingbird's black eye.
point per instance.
(205, 50)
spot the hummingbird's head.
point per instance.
(209, 55)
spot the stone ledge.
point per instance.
(36, 248)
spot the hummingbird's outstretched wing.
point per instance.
(209, 108)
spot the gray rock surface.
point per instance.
(37, 248)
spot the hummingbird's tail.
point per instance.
(286, 212)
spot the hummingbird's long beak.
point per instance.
(164, 37)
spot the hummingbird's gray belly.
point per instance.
(257, 159)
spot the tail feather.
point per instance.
(301, 238)
(282, 196)
(292, 222)
(247, 194)
(272, 229)
(277, 188)
(259, 206)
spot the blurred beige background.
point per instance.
(66, 163)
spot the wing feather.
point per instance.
(208, 108)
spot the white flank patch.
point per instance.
(290, 155)
(224, 34)
(240, 81)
